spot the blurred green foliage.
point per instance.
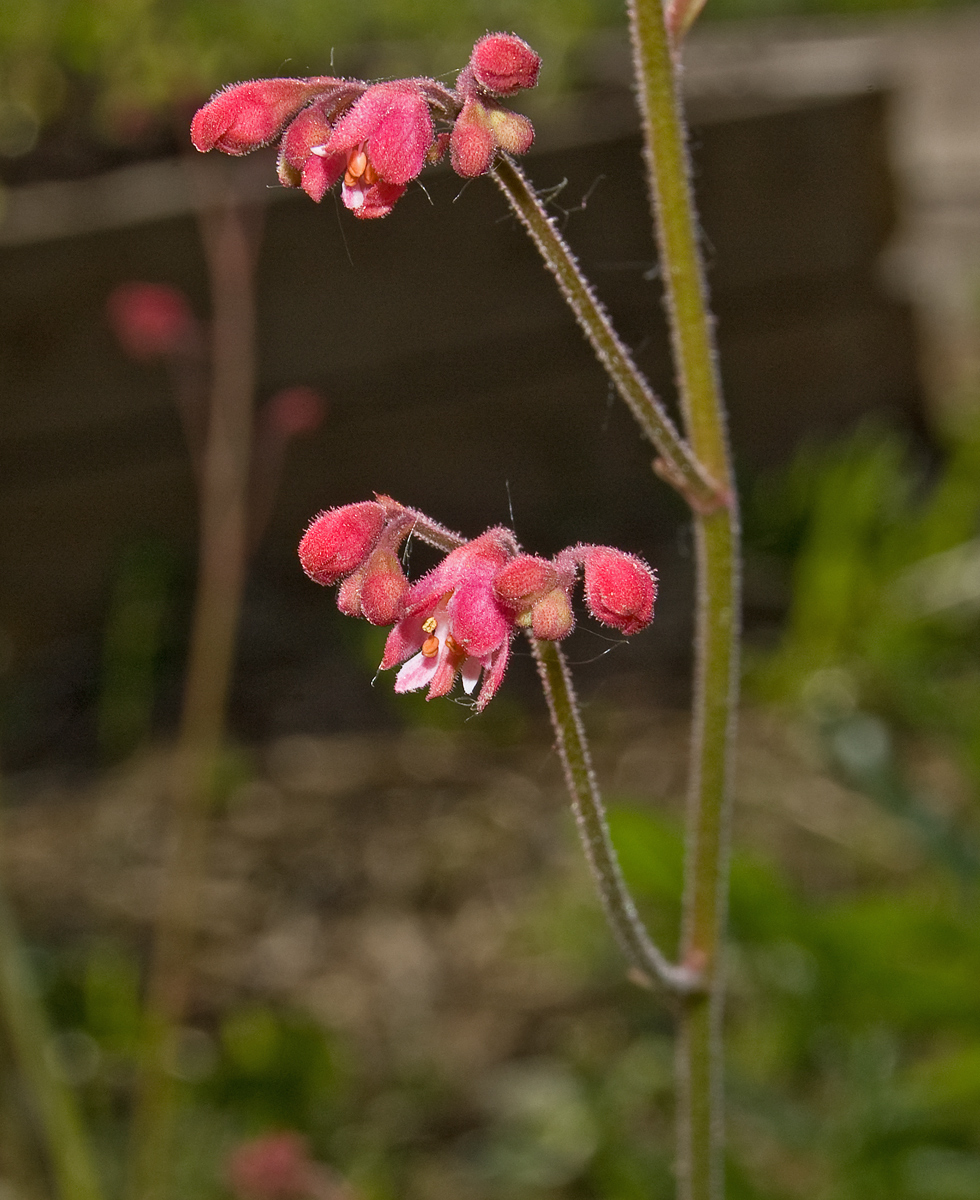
(132, 56)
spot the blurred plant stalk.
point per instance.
(230, 241)
(26, 1030)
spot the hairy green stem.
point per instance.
(678, 464)
(29, 1036)
(700, 1115)
(590, 817)
(229, 250)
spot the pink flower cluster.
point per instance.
(458, 621)
(377, 137)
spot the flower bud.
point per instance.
(513, 131)
(472, 144)
(383, 588)
(339, 540)
(504, 64)
(551, 617)
(295, 410)
(245, 116)
(151, 319)
(524, 579)
(619, 588)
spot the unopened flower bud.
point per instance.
(299, 163)
(151, 319)
(524, 579)
(504, 64)
(383, 588)
(339, 540)
(619, 588)
(472, 144)
(245, 116)
(296, 410)
(513, 131)
(551, 617)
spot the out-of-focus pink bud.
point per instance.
(524, 579)
(296, 410)
(151, 320)
(552, 617)
(245, 116)
(619, 588)
(274, 1167)
(503, 63)
(339, 540)
(383, 588)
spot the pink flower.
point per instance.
(453, 624)
(301, 161)
(386, 137)
(244, 116)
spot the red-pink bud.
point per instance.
(504, 64)
(339, 540)
(551, 617)
(383, 588)
(274, 1167)
(296, 410)
(525, 578)
(245, 116)
(472, 144)
(619, 588)
(151, 319)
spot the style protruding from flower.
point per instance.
(377, 137)
(459, 619)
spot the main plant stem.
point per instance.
(221, 575)
(699, 1055)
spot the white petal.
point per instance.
(416, 673)
(470, 672)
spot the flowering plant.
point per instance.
(379, 136)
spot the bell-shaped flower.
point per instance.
(301, 164)
(454, 624)
(385, 138)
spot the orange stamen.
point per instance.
(430, 647)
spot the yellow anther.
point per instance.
(429, 625)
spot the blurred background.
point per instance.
(399, 957)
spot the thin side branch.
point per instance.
(679, 466)
(590, 817)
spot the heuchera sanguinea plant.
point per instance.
(377, 137)
(460, 618)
